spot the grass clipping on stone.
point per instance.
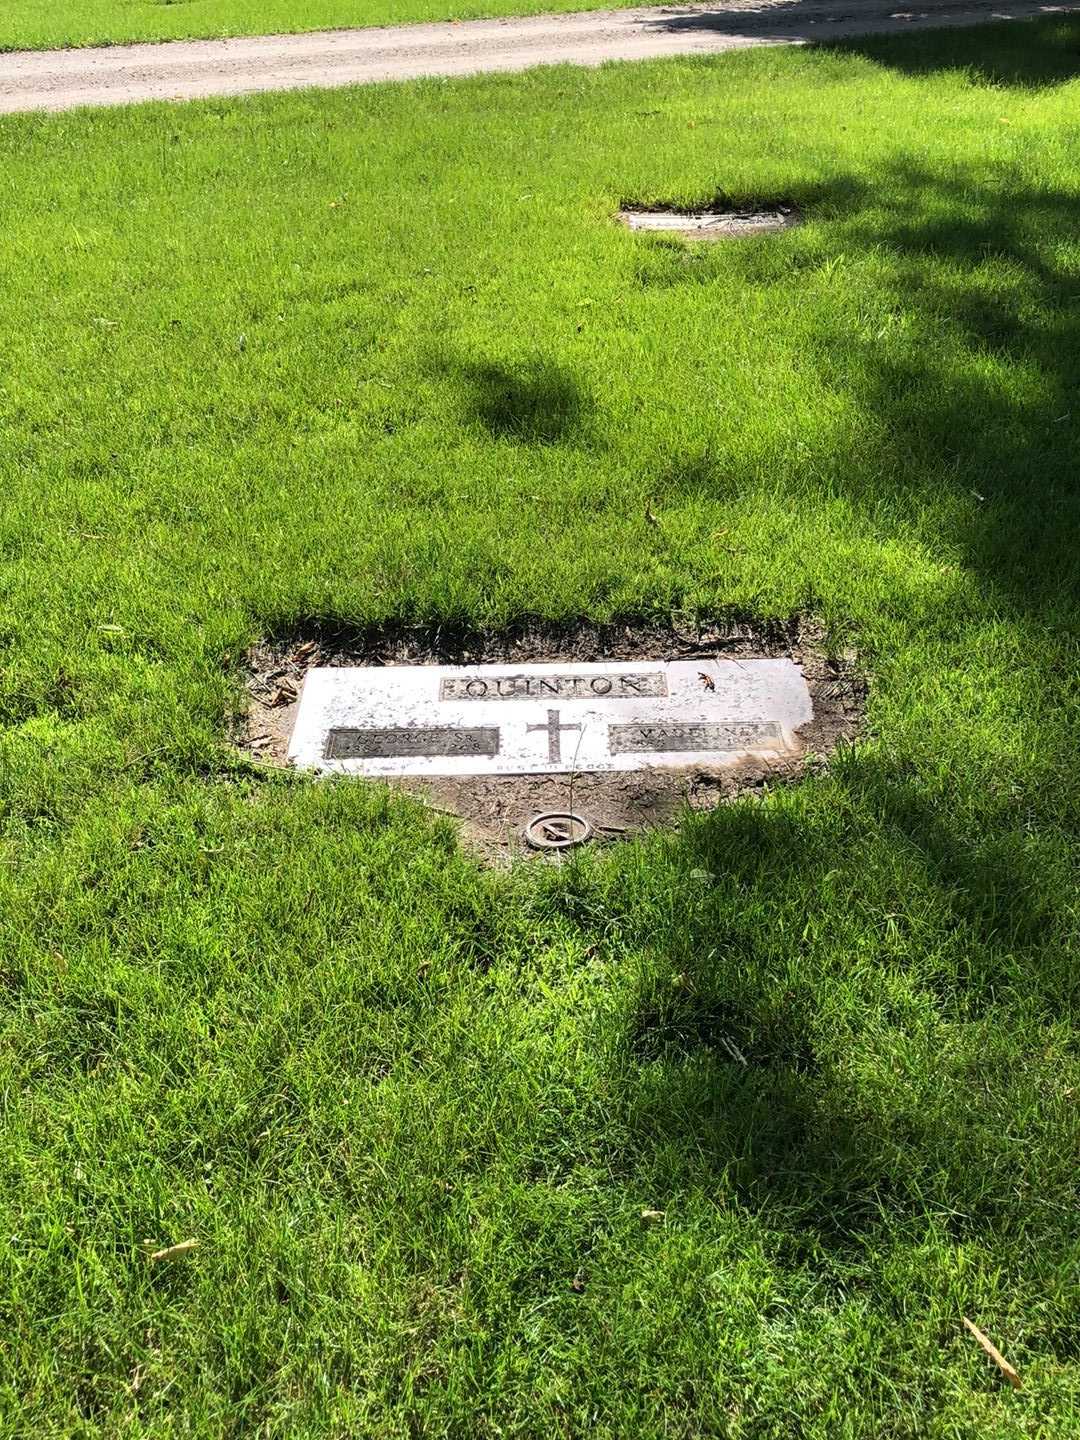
(382, 355)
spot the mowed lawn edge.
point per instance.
(463, 1150)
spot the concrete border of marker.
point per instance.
(495, 809)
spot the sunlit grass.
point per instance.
(383, 353)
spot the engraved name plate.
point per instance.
(403, 741)
(616, 685)
(670, 737)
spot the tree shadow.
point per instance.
(980, 267)
(792, 1039)
(964, 365)
(846, 1010)
(1021, 56)
(1032, 48)
(532, 402)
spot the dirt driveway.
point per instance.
(185, 70)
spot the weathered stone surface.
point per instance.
(548, 719)
(712, 224)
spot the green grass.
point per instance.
(382, 353)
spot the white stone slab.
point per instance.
(710, 223)
(547, 719)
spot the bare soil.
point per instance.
(193, 69)
(494, 810)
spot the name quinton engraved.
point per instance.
(627, 685)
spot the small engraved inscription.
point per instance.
(722, 735)
(614, 686)
(410, 740)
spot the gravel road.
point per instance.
(187, 70)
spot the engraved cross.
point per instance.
(554, 735)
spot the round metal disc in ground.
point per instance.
(557, 830)
(712, 224)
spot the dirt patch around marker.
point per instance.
(716, 222)
(494, 810)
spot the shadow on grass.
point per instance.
(984, 267)
(534, 402)
(843, 1020)
(1027, 53)
(844, 1025)
(966, 360)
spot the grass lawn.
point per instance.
(382, 354)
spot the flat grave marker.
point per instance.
(712, 224)
(555, 718)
